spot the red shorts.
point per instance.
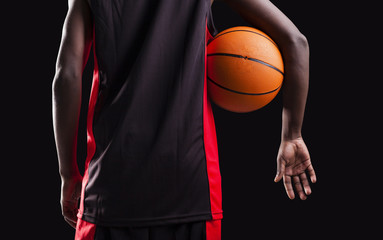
(203, 230)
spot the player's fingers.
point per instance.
(70, 214)
(305, 183)
(298, 187)
(311, 172)
(288, 186)
(71, 222)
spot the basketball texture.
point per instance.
(244, 69)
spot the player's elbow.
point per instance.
(66, 80)
(301, 41)
(295, 50)
(298, 42)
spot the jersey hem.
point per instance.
(151, 222)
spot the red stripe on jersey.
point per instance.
(213, 230)
(85, 230)
(211, 149)
(91, 144)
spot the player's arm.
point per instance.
(66, 100)
(294, 47)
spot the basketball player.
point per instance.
(152, 168)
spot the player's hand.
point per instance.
(70, 194)
(294, 166)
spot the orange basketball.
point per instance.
(244, 69)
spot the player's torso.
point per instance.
(148, 162)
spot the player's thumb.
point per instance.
(278, 177)
(280, 171)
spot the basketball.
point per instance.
(244, 69)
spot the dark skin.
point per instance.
(66, 89)
(293, 159)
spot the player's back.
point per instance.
(152, 151)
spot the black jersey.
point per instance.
(152, 153)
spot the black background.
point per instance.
(341, 129)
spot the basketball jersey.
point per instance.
(152, 153)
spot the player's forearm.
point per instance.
(295, 88)
(66, 103)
